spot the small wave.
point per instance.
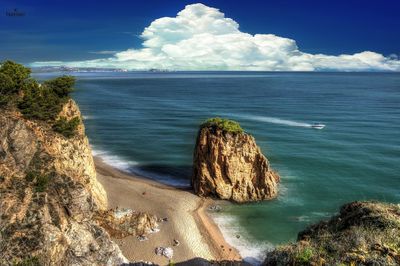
(87, 117)
(162, 178)
(251, 251)
(114, 160)
(133, 167)
(273, 120)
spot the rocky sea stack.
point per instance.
(229, 165)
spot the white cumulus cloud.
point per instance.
(202, 38)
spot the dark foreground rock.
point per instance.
(364, 233)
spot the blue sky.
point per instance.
(75, 30)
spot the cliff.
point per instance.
(49, 194)
(363, 233)
(229, 165)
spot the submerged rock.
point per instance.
(229, 165)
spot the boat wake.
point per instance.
(273, 120)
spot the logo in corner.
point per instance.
(15, 13)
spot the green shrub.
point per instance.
(41, 182)
(31, 175)
(65, 127)
(13, 76)
(62, 86)
(304, 256)
(223, 124)
(42, 102)
(30, 261)
(8, 88)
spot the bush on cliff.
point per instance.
(35, 101)
(29, 261)
(44, 102)
(39, 103)
(15, 75)
(65, 127)
(225, 125)
(62, 86)
(12, 78)
(41, 182)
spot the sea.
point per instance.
(146, 123)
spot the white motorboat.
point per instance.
(318, 126)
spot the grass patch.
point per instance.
(31, 175)
(42, 182)
(65, 127)
(305, 255)
(30, 261)
(224, 124)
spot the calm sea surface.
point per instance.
(147, 122)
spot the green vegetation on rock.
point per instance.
(364, 233)
(30, 261)
(61, 86)
(12, 79)
(225, 125)
(65, 127)
(36, 101)
(31, 175)
(41, 182)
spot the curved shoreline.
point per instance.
(188, 221)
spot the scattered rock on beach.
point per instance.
(124, 222)
(166, 252)
(163, 219)
(215, 208)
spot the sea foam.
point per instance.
(114, 160)
(133, 167)
(252, 251)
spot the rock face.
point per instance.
(363, 233)
(231, 166)
(49, 194)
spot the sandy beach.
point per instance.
(187, 218)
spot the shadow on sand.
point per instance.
(198, 262)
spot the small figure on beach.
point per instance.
(142, 238)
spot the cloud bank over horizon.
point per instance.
(202, 38)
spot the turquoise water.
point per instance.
(147, 123)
